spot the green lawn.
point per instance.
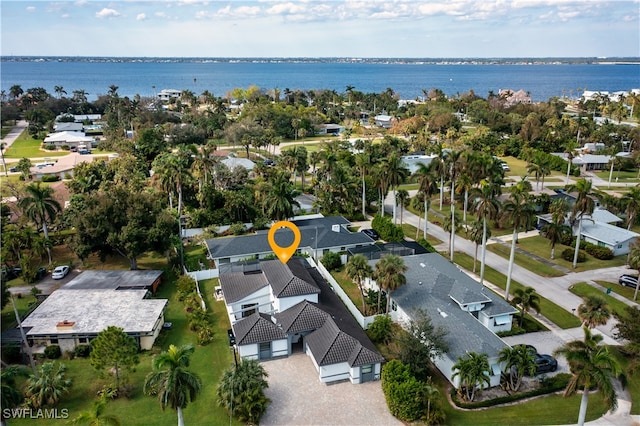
(27, 147)
(620, 289)
(410, 232)
(633, 379)
(540, 246)
(548, 309)
(527, 262)
(584, 289)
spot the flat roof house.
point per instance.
(276, 309)
(94, 300)
(470, 313)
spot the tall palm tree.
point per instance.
(584, 205)
(47, 388)
(591, 365)
(520, 211)
(171, 381)
(389, 275)
(281, 200)
(557, 230)
(632, 201)
(396, 173)
(402, 197)
(362, 162)
(241, 391)
(487, 207)
(570, 149)
(358, 270)
(451, 225)
(453, 169)
(476, 233)
(427, 178)
(528, 299)
(174, 173)
(473, 371)
(39, 205)
(594, 311)
(518, 361)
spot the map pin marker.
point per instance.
(284, 253)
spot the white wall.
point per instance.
(261, 297)
(248, 351)
(335, 372)
(284, 303)
(489, 322)
(280, 348)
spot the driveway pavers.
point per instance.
(299, 398)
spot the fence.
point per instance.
(361, 319)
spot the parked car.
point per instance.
(505, 167)
(60, 272)
(545, 364)
(84, 151)
(11, 273)
(371, 234)
(13, 169)
(41, 273)
(628, 280)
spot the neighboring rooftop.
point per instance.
(114, 280)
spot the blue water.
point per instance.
(542, 81)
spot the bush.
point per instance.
(237, 229)
(403, 392)
(65, 147)
(185, 285)
(386, 229)
(567, 254)
(602, 253)
(50, 147)
(52, 352)
(380, 330)
(50, 178)
(424, 243)
(331, 261)
(82, 351)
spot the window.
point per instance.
(53, 340)
(394, 307)
(248, 309)
(601, 244)
(83, 340)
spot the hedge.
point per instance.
(567, 254)
(403, 392)
(386, 229)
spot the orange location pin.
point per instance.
(284, 253)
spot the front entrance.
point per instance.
(366, 373)
(264, 350)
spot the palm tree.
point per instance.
(569, 149)
(520, 211)
(402, 196)
(527, 299)
(454, 169)
(358, 270)
(170, 380)
(173, 171)
(634, 262)
(475, 235)
(632, 201)
(281, 200)
(473, 372)
(48, 386)
(396, 173)
(556, 230)
(594, 311)
(429, 393)
(591, 365)
(452, 226)
(241, 391)
(584, 205)
(389, 275)
(426, 177)
(519, 361)
(39, 205)
(10, 394)
(362, 162)
(96, 416)
(486, 206)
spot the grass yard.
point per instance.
(548, 309)
(528, 262)
(620, 289)
(23, 304)
(410, 232)
(27, 147)
(584, 289)
(348, 286)
(208, 361)
(540, 246)
(633, 379)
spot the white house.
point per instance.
(70, 139)
(470, 313)
(167, 94)
(276, 309)
(606, 235)
(384, 121)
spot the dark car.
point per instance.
(41, 273)
(545, 364)
(628, 280)
(371, 234)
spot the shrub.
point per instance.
(50, 147)
(424, 243)
(386, 229)
(50, 178)
(52, 352)
(331, 261)
(237, 229)
(567, 254)
(602, 253)
(64, 147)
(185, 285)
(82, 351)
(403, 392)
(380, 330)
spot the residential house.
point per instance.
(330, 129)
(384, 121)
(67, 127)
(413, 161)
(276, 309)
(512, 98)
(167, 94)
(319, 235)
(73, 139)
(470, 313)
(603, 234)
(88, 304)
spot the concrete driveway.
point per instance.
(299, 398)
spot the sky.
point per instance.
(322, 28)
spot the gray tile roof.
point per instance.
(282, 280)
(238, 285)
(256, 328)
(111, 280)
(330, 345)
(301, 317)
(430, 287)
(247, 245)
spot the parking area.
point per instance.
(299, 398)
(545, 342)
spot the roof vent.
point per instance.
(335, 228)
(65, 324)
(442, 313)
(422, 264)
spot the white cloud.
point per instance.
(65, 16)
(141, 16)
(31, 8)
(107, 13)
